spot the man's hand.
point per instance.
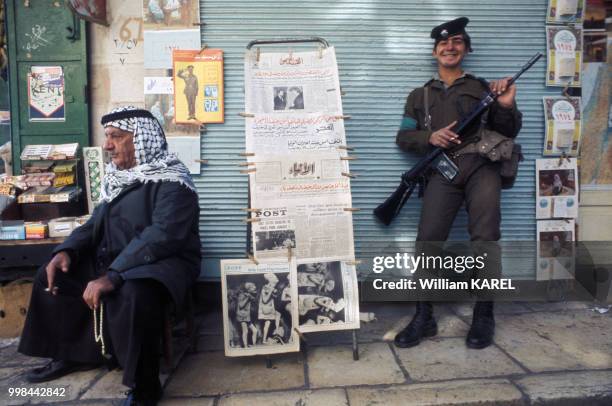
(444, 137)
(61, 261)
(95, 289)
(506, 94)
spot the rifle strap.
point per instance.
(464, 143)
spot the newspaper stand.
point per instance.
(249, 250)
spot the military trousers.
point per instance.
(478, 185)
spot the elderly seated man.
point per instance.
(102, 295)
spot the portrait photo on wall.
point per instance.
(555, 249)
(259, 308)
(556, 188)
(557, 182)
(162, 108)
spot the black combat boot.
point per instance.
(483, 326)
(422, 325)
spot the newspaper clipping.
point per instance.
(555, 249)
(304, 82)
(557, 188)
(294, 133)
(259, 307)
(328, 298)
(300, 202)
(563, 125)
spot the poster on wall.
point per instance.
(170, 14)
(563, 125)
(328, 297)
(198, 86)
(46, 93)
(259, 307)
(564, 49)
(556, 188)
(555, 249)
(595, 15)
(565, 11)
(90, 10)
(158, 46)
(183, 139)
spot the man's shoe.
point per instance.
(56, 369)
(483, 326)
(133, 399)
(422, 325)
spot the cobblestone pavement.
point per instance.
(544, 353)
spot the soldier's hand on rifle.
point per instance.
(444, 137)
(506, 94)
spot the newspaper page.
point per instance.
(328, 297)
(294, 133)
(259, 307)
(298, 82)
(563, 120)
(299, 202)
(555, 249)
(564, 49)
(557, 188)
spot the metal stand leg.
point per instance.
(355, 346)
(268, 362)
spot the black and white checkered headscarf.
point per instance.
(153, 161)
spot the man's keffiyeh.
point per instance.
(153, 161)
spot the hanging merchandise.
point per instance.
(556, 249)
(564, 48)
(563, 117)
(300, 181)
(557, 188)
(198, 86)
(259, 307)
(565, 11)
(46, 93)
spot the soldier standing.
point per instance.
(191, 89)
(430, 113)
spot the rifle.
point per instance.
(391, 207)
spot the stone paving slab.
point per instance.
(334, 366)
(187, 402)
(74, 385)
(555, 306)
(448, 358)
(466, 309)
(212, 373)
(7, 373)
(580, 388)
(327, 397)
(468, 392)
(544, 341)
(107, 387)
(10, 357)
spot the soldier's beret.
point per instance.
(449, 28)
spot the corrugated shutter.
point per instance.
(383, 50)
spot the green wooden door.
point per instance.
(42, 36)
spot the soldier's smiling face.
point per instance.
(450, 51)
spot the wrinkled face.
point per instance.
(451, 51)
(120, 146)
